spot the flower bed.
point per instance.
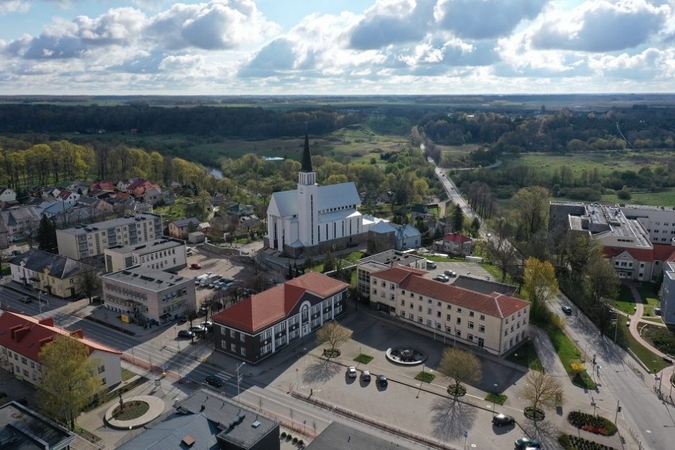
(570, 442)
(591, 423)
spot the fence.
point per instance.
(637, 439)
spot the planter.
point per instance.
(535, 414)
(457, 390)
(591, 423)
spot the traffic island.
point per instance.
(115, 416)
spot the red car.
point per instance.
(195, 266)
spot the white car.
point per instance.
(351, 372)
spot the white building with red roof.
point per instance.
(457, 244)
(494, 322)
(22, 337)
(265, 323)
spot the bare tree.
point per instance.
(543, 390)
(461, 366)
(89, 281)
(333, 333)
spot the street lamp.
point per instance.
(494, 398)
(239, 366)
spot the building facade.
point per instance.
(161, 254)
(312, 217)
(381, 261)
(667, 295)
(147, 296)
(91, 240)
(25, 336)
(180, 229)
(266, 323)
(56, 275)
(493, 322)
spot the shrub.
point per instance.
(283, 434)
(569, 442)
(591, 423)
(295, 440)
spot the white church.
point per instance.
(312, 219)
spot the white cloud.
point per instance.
(13, 6)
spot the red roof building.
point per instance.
(22, 337)
(265, 323)
(642, 264)
(457, 244)
(494, 322)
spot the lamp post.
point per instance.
(616, 324)
(494, 395)
(239, 366)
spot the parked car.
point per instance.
(197, 330)
(567, 309)
(441, 278)
(207, 324)
(502, 419)
(195, 266)
(186, 334)
(526, 442)
(351, 372)
(382, 380)
(214, 381)
(365, 376)
(450, 273)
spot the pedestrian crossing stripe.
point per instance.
(224, 376)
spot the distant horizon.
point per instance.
(240, 48)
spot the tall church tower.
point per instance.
(307, 200)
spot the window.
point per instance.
(448, 329)
(243, 351)
(459, 321)
(459, 310)
(101, 369)
(402, 302)
(391, 297)
(481, 328)
(438, 314)
(482, 316)
(428, 310)
(233, 348)
(233, 333)
(429, 301)
(23, 360)
(458, 333)
(470, 325)
(449, 307)
(420, 319)
(471, 313)
(448, 317)
(428, 322)
(411, 316)
(419, 308)
(470, 337)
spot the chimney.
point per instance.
(48, 322)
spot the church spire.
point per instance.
(306, 157)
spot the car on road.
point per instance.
(207, 324)
(382, 380)
(499, 420)
(195, 266)
(25, 299)
(526, 442)
(351, 372)
(365, 376)
(450, 273)
(441, 278)
(214, 381)
(186, 334)
(567, 309)
(198, 330)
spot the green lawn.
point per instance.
(425, 377)
(526, 356)
(568, 353)
(363, 358)
(648, 358)
(625, 301)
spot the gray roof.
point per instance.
(484, 286)
(37, 260)
(169, 434)
(107, 224)
(338, 436)
(389, 256)
(151, 280)
(186, 222)
(147, 247)
(25, 428)
(328, 197)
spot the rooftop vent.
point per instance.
(188, 441)
(255, 424)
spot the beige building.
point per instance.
(494, 322)
(54, 274)
(384, 260)
(25, 336)
(147, 296)
(91, 240)
(161, 254)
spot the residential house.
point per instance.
(266, 323)
(494, 322)
(54, 274)
(20, 222)
(7, 195)
(25, 336)
(210, 420)
(420, 211)
(104, 186)
(147, 296)
(181, 228)
(67, 197)
(153, 196)
(139, 187)
(240, 209)
(161, 254)
(25, 429)
(386, 235)
(82, 242)
(457, 244)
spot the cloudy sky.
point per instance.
(316, 47)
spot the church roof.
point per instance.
(329, 197)
(306, 157)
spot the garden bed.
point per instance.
(570, 442)
(591, 423)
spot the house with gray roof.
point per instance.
(20, 221)
(181, 228)
(55, 274)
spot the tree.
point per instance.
(541, 284)
(334, 334)
(461, 366)
(457, 219)
(46, 235)
(69, 379)
(88, 282)
(499, 249)
(475, 226)
(601, 280)
(328, 262)
(543, 390)
(531, 211)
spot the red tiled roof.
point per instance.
(26, 335)
(663, 252)
(457, 238)
(64, 194)
(268, 307)
(657, 253)
(495, 304)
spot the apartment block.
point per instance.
(161, 254)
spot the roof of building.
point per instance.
(261, 310)
(147, 247)
(26, 335)
(493, 304)
(406, 231)
(329, 197)
(64, 194)
(306, 157)
(24, 429)
(180, 223)
(656, 253)
(58, 266)
(338, 436)
(392, 256)
(456, 238)
(108, 224)
(148, 279)
(201, 419)
(484, 286)
(382, 228)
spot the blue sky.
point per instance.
(318, 47)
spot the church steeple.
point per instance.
(306, 157)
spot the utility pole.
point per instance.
(618, 410)
(238, 377)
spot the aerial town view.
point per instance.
(360, 224)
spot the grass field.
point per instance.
(625, 302)
(654, 362)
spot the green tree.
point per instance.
(541, 285)
(457, 219)
(46, 235)
(88, 282)
(531, 211)
(69, 379)
(601, 279)
(461, 366)
(328, 262)
(475, 227)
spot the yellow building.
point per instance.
(53, 274)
